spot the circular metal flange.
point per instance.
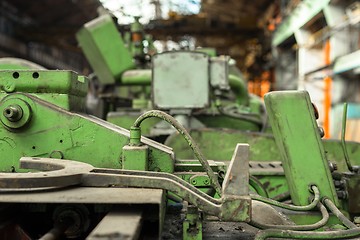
(14, 113)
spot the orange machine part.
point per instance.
(327, 93)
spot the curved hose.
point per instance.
(258, 186)
(344, 220)
(319, 224)
(166, 117)
(291, 207)
(354, 231)
(238, 86)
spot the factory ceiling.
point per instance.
(233, 27)
(48, 21)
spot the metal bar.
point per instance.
(180, 189)
(223, 208)
(136, 77)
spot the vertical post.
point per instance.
(327, 92)
(296, 133)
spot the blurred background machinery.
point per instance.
(277, 45)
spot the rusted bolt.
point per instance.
(13, 113)
(333, 166)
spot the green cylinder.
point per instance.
(135, 136)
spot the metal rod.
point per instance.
(331, 206)
(291, 207)
(319, 224)
(343, 144)
(59, 229)
(258, 186)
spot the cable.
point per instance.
(258, 186)
(344, 220)
(354, 231)
(291, 207)
(319, 224)
(166, 117)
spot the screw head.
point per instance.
(13, 113)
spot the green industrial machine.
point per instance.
(82, 177)
(205, 93)
(209, 90)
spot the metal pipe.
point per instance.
(59, 229)
(354, 231)
(344, 220)
(238, 86)
(136, 77)
(291, 207)
(343, 144)
(258, 186)
(319, 224)
(166, 117)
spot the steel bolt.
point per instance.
(321, 132)
(193, 182)
(13, 113)
(333, 166)
(206, 182)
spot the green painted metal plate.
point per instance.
(180, 80)
(292, 119)
(63, 88)
(74, 137)
(105, 49)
